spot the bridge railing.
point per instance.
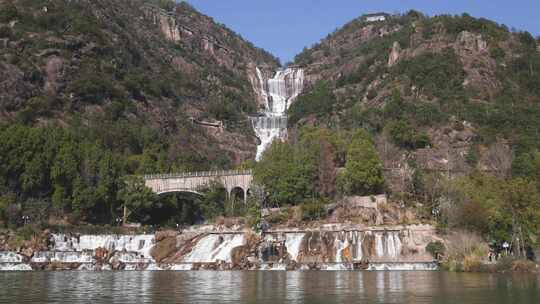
(198, 174)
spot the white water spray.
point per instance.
(278, 93)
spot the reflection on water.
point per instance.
(266, 287)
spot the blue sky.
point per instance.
(284, 27)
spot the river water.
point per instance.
(267, 287)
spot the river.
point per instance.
(267, 287)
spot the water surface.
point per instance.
(267, 287)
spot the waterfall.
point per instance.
(293, 242)
(359, 242)
(379, 248)
(131, 257)
(278, 93)
(341, 245)
(10, 257)
(214, 247)
(213, 250)
(140, 244)
(11, 261)
(390, 245)
(63, 257)
(393, 245)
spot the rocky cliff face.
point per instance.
(435, 74)
(68, 58)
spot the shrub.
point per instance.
(277, 217)
(473, 263)
(27, 232)
(312, 210)
(523, 266)
(404, 135)
(6, 32)
(93, 88)
(167, 5)
(435, 248)
(8, 12)
(464, 244)
(440, 74)
(453, 265)
(318, 102)
(497, 53)
(504, 264)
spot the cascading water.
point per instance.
(11, 261)
(140, 244)
(292, 243)
(10, 257)
(214, 247)
(359, 240)
(63, 257)
(379, 249)
(278, 250)
(278, 94)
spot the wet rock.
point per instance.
(27, 252)
(101, 254)
(116, 264)
(161, 235)
(164, 248)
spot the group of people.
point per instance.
(498, 250)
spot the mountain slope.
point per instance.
(94, 90)
(448, 93)
(130, 60)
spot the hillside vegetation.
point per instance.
(453, 105)
(92, 91)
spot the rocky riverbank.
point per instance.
(330, 247)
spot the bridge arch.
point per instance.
(239, 191)
(179, 191)
(193, 181)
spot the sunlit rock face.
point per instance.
(278, 93)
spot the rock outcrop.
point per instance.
(394, 54)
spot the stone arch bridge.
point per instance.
(194, 181)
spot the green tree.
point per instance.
(363, 172)
(288, 173)
(317, 102)
(522, 201)
(499, 209)
(404, 135)
(213, 201)
(167, 5)
(527, 165)
(135, 196)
